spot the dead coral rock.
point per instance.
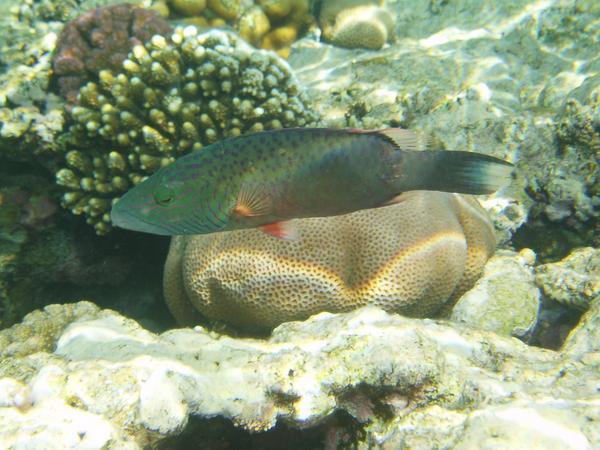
(100, 39)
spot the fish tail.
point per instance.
(450, 171)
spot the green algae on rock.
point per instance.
(173, 97)
(505, 299)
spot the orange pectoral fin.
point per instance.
(283, 230)
(253, 200)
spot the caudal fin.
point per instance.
(452, 171)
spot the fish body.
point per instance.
(265, 179)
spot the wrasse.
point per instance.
(265, 179)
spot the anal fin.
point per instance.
(283, 230)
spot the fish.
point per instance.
(264, 180)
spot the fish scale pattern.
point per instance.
(414, 258)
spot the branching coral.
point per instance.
(172, 97)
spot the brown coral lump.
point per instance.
(100, 39)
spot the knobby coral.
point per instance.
(173, 96)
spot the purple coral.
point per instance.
(100, 39)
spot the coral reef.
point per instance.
(75, 373)
(415, 258)
(100, 39)
(573, 184)
(29, 118)
(492, 79)
(356, 23)
(269, 24)
(172, 98)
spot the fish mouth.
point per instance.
(128, 220)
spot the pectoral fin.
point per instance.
(253, 200)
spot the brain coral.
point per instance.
(356, 23)
(171, 98)
(415, 257)
(100, 39)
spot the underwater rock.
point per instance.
(27, 208)
(505, 299)
(414, 379)
(172, 98)
(356, 23)
(573, 281)
(578, 130)
(100, 39)
(567, 186)
(416, 258)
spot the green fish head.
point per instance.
(167, 205)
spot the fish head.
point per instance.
(168, 204)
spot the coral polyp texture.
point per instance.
(101, 39)
(174, 96)
(415, 258)
(356, 23)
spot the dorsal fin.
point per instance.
(407, 139)
(401, 137)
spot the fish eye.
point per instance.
(164, 195)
